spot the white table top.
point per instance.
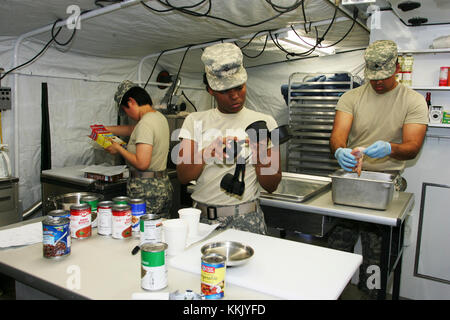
(108, 270)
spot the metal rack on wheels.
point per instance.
(312, 98)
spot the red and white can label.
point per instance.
(121, 223)
(443, 76)
(80, 223)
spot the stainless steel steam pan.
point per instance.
(373, 190)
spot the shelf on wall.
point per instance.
(423, 51)
(435, 88)
(439, 125)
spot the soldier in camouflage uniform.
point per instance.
(147, 149)
(389, 120)
(204, 135)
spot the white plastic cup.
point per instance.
(192, 217)
(175, 233)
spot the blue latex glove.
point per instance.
(379, 149)
(346, 160)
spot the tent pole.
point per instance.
(203, 45)
(87, 15)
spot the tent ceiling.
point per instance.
(136, 31)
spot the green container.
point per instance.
(121, 200)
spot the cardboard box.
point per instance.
(103, 137)
(446, 118)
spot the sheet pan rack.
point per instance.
(312, 98)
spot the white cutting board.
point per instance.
(281, 268)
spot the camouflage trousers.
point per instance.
(344, 237)
(157, 193)
(252, 221)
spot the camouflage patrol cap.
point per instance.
(381, 60)
(123, 87)
(223, 66)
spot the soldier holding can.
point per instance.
(226, 80)
(147, 149)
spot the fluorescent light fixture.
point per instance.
(293, 41)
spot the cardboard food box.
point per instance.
(103, 137)
(446, 117)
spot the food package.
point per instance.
(446, 117)
(103, 137)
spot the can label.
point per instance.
(150, 229)
(153, 266)
(59, 213)
(92, 201)
(56, 237)
(121, 200)
(121, 221)
(443, 76)
(104, 217)
(213, 276)
(80, 222)
(138, 209)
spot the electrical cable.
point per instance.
(178, 73)
(38, 54)
(196, 14)
(154, 66)
(182, 92)
(54, 35)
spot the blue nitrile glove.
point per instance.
(379, 149)
(346, 160)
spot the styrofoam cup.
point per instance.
(175, 233)
(192, 217)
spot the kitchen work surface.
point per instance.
(282, 268)
(100, 268)
(323, 204)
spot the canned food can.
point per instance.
(138, 209)
(56, 237)
(150, 228)
(443, 76)
(104, 218)
(121, 221)
(213, 275)
(93, 202)
(80, 221)
(121, 200)
(407, 69)
(153, 266)
(59, 213)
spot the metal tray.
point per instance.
(298, 187)
(236, 253)
(373, 190)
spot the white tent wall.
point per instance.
(432, 162)
(81, 89)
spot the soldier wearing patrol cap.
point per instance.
(389, 120)
(147, 149)
(204, 135)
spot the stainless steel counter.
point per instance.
(323, 204)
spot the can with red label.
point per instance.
(213, 275)
(80, 221)
(443, 77)
(104, 218)
(121, 221)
